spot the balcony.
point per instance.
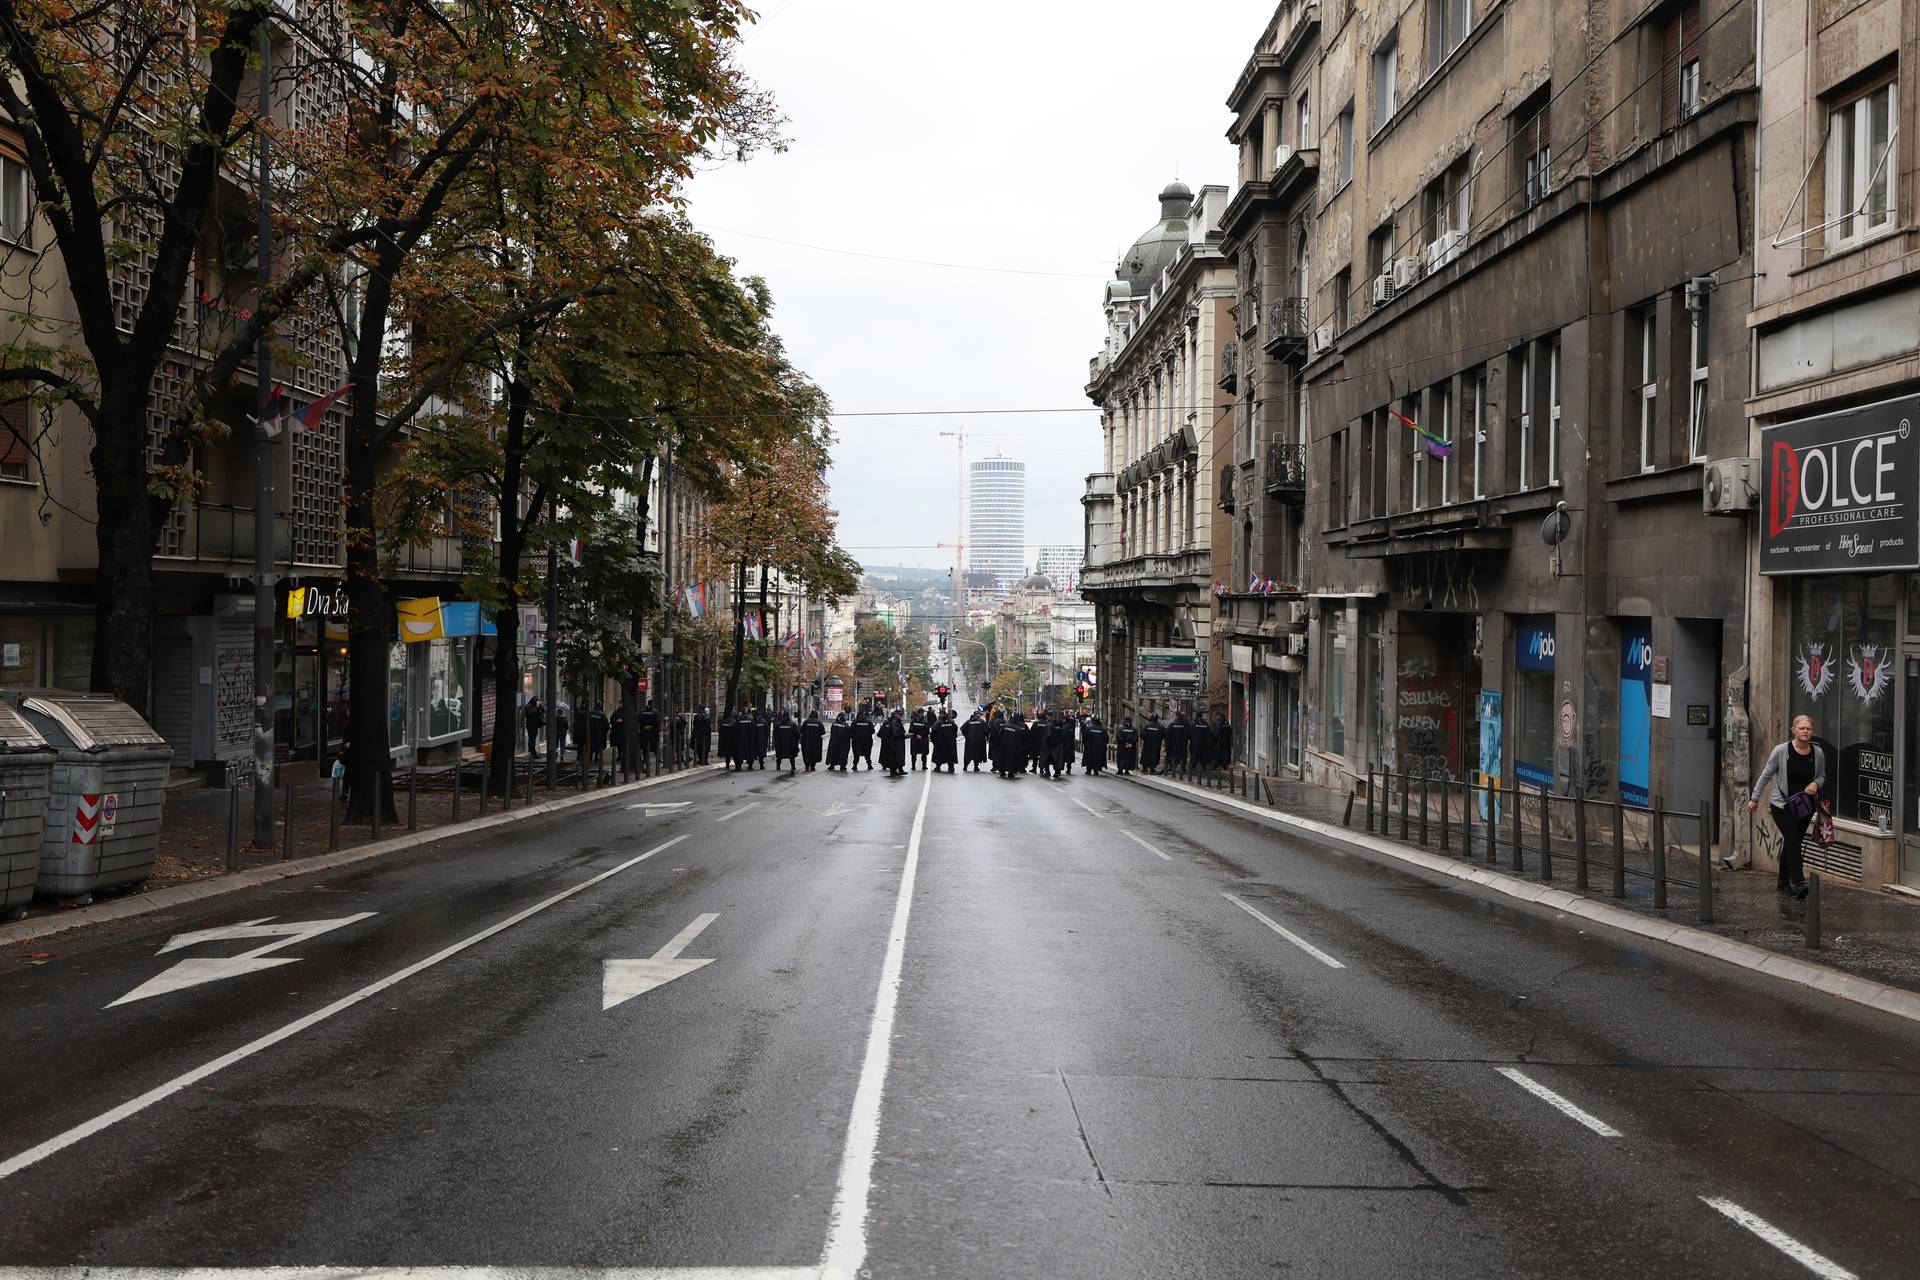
(1286, 469)
(1144, 573)
(220, 534)
(1229, 379)
(1229, 484)
(1286, 326)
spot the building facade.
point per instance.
(1528, 261)
(1059, 565)
(1835, 318)
(997, 522)
(1152, 535)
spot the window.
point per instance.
(1334, 682)
(1418, 488)
(1553, 411)
(1473, 418)
(1336, 479)
(1445, 202)
(1533, 145)
(1680, 63)
(1533, 729)
(1441, 425)
(1697, 334)
(1859, 167)
(1644, 385)
(1448, 22)
(16, 205)
(1377, 472)
(1342, 292)
(1303, 123)
(1841, 672)
(1386, 77)
(16, 435)
(1345, 143)
(1521, 381)
(1380, 250)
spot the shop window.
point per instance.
(449, 677)
(1841, 669)
(1533, 689)
(1860, 199)
(1334, 682)
(397, 736)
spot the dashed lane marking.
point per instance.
(1821, 1265)
(1149, 848)
(737, 812)
(1558, 1103)
(1288, 934)
(1084, 805)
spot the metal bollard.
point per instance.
(1579, 840)
(1619, 851)
(1466, 821)
(1446, 814)
(382, 792)
(1659, 856)
(286, 826)
(1347, 821)
(333, 813)
(1406, 797)
(1369, 799)
(1546, 835)
(413, 798)
(458, 788)
(1426, 802)
(529, 787)
(233, 828)
(1706, 869)
(1813, 911)
(1519, 847)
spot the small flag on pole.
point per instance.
(314, 414)
(272, 412)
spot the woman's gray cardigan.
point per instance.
(1776, 770)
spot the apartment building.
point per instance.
(1531, 249)
(1152, 535)
(1835, 318)
(1269, 236)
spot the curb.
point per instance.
(176, 895)
(1875, 995)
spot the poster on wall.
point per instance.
(1841, 492)
(1489, 753)
(1636, 710)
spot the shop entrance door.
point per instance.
(1910, 801)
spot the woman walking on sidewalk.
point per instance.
(1797, 770)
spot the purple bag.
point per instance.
(1800, 805)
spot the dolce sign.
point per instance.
(1843, 491)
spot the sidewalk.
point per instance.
(1868, 935)
(194, 830)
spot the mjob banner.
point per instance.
(1636, 709)
(1842, 491)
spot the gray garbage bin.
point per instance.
(108, 788)
(26, 768)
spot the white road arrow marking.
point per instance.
(191, 973)
(622, 980)
(664, 808)
(836, 809)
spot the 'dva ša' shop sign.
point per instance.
(1842, 491)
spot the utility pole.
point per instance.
(553, 676)
(663, 697)
(959, 435)
(265, 459)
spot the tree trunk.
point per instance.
(124, 535)
(369, 757)
(506, 692)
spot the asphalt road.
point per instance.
(950, 1027)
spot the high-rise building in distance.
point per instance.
(997, 520)
(1061, 565)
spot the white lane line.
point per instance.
(1089, 808)
(678, 804)
(1290, 936)
(411, 1273)
(737, 812)
(846, 1251)
(1818, 1263)
(1558, 1103)
(60, 1142)
(1144, 845)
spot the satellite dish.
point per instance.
(1558, 524)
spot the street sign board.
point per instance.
(1161, 673)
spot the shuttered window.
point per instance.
(1680, 63)
(1533, 135)
(15, 433)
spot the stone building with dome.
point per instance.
(1152, 533)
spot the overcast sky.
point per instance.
(1029, 137)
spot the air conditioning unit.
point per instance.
(1445, 249)
(1383, 288)
(1323, 339)
(1297, 611)
(1730, 486)
(1406, 271)
(1297, 646)
(1281, 156)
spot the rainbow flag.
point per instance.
(1435, 445)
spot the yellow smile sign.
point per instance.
(420, 620)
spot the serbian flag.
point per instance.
(813, 650)
(314, 414)
(694, 599)
(274, 410)
(756, 629)
(793, 638)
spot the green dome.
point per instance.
(1154, 252)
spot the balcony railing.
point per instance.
(1229, 483)
(1286, 468)
(1229, 378)
(224, 534)
(1287, 324)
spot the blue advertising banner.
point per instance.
(1489, 753)
(1636, 710)
(1533, 646)
(1533, 661)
